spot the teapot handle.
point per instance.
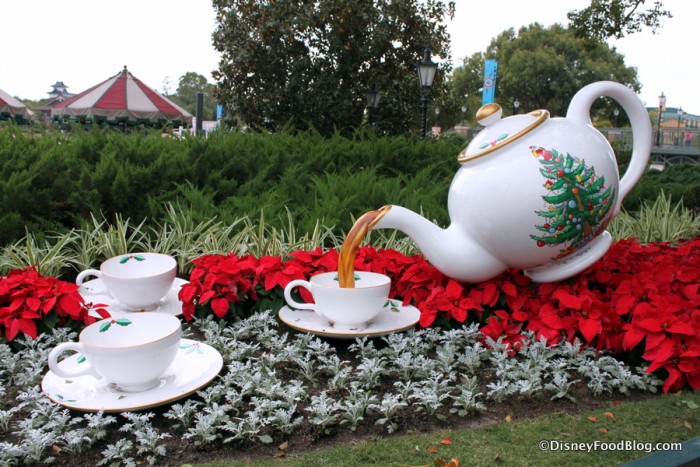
(580, 109)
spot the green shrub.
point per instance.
(56, 182)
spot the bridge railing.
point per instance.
(666, 138)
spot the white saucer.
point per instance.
(395, 319)
(170, 304)
(196, 365)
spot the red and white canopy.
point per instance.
(12, 108)
(122, 98)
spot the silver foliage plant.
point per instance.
(273, 382)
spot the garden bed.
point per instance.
(620, 330)
(279, 386)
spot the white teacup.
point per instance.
(347, 307)
(130, 353)
(138, 281)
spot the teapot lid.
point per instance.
(499, 132)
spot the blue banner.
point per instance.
(490, 74)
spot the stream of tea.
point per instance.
(348, 252)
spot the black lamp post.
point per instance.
(616, 113)
(372, 95)
(426, 74)
(516, 106)
(464, 111)
(662, 106)
(680, 119)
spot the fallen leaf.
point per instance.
(690, 404)
(280, 454)
(497, 458)
(56, 449)
(440, 462)
(446, 440)
(593, 419)
(609, 415)
(688, 425)
(603, 430)
(284, 446)
(432, 449)
(617, 402)
(568, 435)
(508, 419)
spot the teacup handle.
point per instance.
(291, 302)
(88, 273)
(58, 350)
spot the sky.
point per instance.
(84, 42)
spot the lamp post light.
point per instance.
(373, 96)
(464, 111)
(662, 106)
(616, 113)
(426, 74)
(516, 106)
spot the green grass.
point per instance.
(662, 419)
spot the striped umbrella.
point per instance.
(12, 109)
(121, 99)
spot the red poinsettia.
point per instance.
(28, 298)
(636, 296)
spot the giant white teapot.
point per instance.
(533, 192)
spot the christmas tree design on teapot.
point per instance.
(579, 202)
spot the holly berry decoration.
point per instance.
(130, 257)
(108, 324)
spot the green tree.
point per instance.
(308, 63)
(543, 68)
(189, 85)
(604, 19)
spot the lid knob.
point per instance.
(489, 114)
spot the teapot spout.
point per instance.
(450, 250)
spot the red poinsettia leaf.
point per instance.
(427, 318)
(519, 316)
(689, 365)
(649, 324)
(197, 273)
(625, 304)
(102, 312)
(33, 303)
(188, 311)
(206, 296)
(681, 328)
(458, 314)
(654, 340)
(566, 299)
(589, 328)
(632, 338)
(553, 321)
(16, 303)
(694, 380)
(490, 294)
(28, 327)
(509, 289)
(11, 329)
(70, 305)
(674, 381)
(220, 307)
(187, 292)
(661, 353)
(48, 304)
(691, 291)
